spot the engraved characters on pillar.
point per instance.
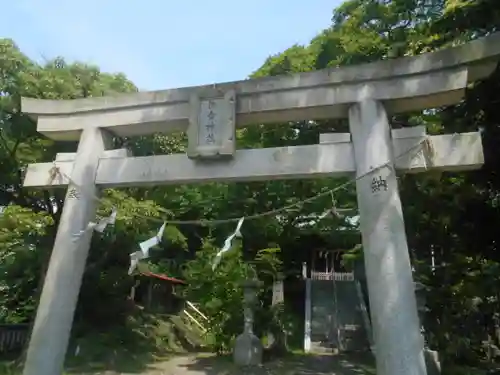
(73, 194)
(378, 184)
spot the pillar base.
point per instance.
(432, 362)
(247, 350)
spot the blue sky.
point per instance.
(162, 43)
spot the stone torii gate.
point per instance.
(365, 94)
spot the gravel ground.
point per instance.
(299, 365)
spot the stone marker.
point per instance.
(248, 348)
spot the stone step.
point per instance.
(321, 347)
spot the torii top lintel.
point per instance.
(404, 84)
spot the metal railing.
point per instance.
(191, 310)
(13, 336)
(334, 276)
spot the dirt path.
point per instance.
(300, 365)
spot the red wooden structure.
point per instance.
(156, 292)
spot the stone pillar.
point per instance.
(393, 307)
(277, 300)
(277, 336)
(54, 317)
(278, 291)
(431, 356)
(248, 348)
(308, 315)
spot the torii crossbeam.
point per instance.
(365, 94)
(332, 157)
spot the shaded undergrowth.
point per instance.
(143, 340)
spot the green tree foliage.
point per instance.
(20, 145)
(220, 292)
(459, 233)
(21, 232)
